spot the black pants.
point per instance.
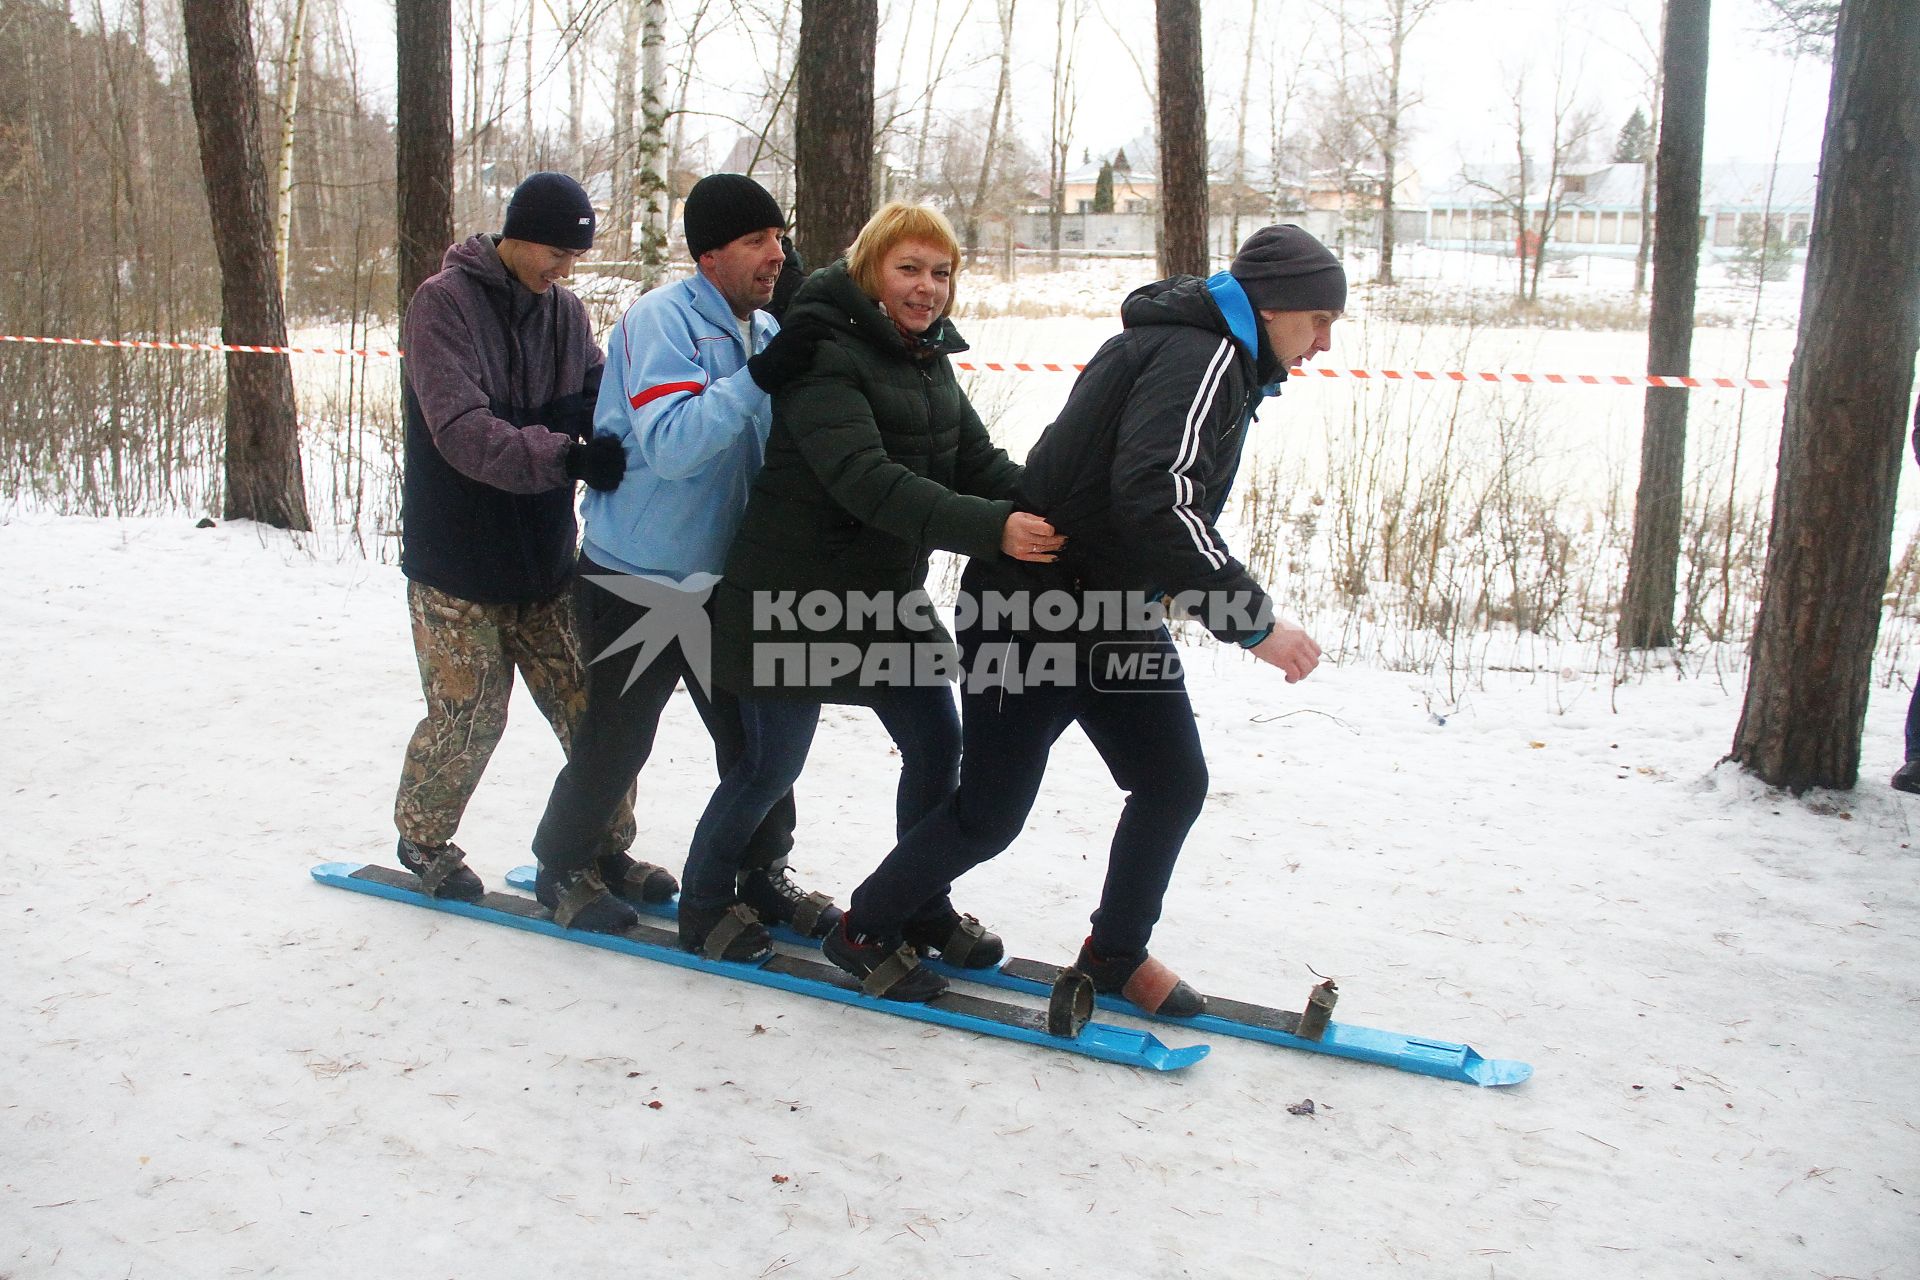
(616, 735)
(1143, 728)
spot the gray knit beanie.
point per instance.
(1282, 268)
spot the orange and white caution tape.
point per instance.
(1449, 375)
(150, 345)
(1443, 376)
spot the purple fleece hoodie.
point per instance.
(461, 359)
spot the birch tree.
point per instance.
(283, 170)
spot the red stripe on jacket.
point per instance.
(665, 389)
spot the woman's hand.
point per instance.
(1029, 537)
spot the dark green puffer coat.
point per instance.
(875, 459)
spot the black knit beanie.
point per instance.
(722, 207)
(1283, 268)
(550, 209)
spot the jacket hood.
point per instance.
(831, 298)
(479, 257)
(1217, 305)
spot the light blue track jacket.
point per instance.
(694, 424)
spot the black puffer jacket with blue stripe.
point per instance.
(1138, 465)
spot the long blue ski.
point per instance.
(1423, 1056)
(821, 980)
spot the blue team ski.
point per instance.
(960, 1009)
(1419, 1054)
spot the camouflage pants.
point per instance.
(468, 653)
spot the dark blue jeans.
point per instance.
(1143, 729)
(778, 734)
(615, 737)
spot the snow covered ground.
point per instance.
(215, 1067)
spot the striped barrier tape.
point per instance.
(1450, 375)
(1022, 366)
(152, 345)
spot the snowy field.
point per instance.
(215, 1067)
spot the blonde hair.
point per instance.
(894, 224)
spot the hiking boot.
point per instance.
(776, 899)
(1146, 982)
(637, 881)
(887, 968)
(443, 871)
(580, 899)
(960, 940)
(731, 932)
(1907, 777)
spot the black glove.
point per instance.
(786, 357)
(569, 415)
(793, 274)
(601, 462)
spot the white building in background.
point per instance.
(1599, 208)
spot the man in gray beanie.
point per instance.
(1133, 473)
(498, 386)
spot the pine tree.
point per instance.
(1636, 137)
(1103, 188)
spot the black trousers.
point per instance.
(1142, 726)
(616, 735)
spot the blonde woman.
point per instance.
(875, 459)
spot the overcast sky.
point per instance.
(1462, 63)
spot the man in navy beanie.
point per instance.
(1134, 473)
(691, 368)
(499, 384)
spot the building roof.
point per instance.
(1730, 185)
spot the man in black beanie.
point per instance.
(690, 371)
(1134, 474)
(499, 385)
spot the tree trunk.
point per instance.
(650, 177)
(1390, 138)
(1183, 140)
(263, 476)
(1841, 447)
(1646, 611)
(283, 168)
(833, 125)
(1060, 120)
(423, 139)
(1240, 126)
(971, 235)
(623, 203)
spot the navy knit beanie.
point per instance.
(550, 209)
(722, 207)
(1282, 268)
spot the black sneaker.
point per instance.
(888, 969)
(776, 899)
(1143, 980)
(731, 932)
(443, 871)
(960, 940)
(579, 899)
(637, 881)
(1907, 777)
